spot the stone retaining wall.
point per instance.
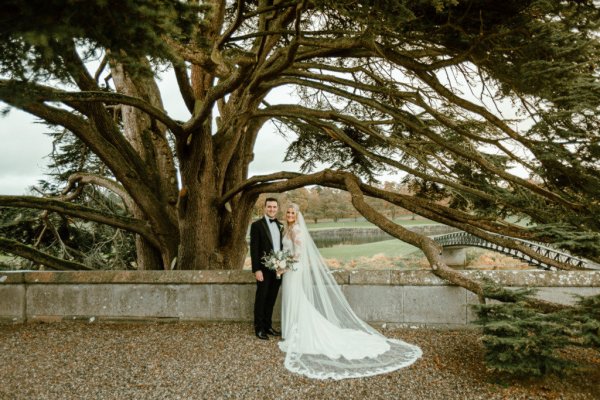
(398, 298)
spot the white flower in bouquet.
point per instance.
(279, 261)
(281, 264)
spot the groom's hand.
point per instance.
(259, 276)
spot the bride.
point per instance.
(322, 336)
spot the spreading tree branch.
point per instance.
(430, 248)
(81, 179)
(19, 249)
(75, 210)
(40, 93)
(185, 88)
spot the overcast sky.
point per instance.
(23, 145)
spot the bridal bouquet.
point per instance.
(279, 261)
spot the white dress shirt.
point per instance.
(275, 234)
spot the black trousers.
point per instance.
(266, 295)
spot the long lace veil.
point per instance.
(321, 292)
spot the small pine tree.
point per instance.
(523, 342)
(586, 321)
(520, 341)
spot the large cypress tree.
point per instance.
(408, 86)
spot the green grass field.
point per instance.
(388, 248)
(362, 223)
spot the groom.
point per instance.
(265, 236)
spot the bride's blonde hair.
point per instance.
(297, 210)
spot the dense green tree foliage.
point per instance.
(487, 109)
(92, 245)
(37, 36)
(523, 342)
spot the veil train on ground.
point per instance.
(323, 337)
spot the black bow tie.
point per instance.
(272, 219)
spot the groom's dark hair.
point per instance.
(268, 199)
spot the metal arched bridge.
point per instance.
(464, 239)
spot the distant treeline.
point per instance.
(319, 203)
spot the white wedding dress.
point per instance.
(322, 337)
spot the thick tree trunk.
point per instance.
(235, 229)
(148, 138)
(199, 220)
(211, 237)
(198, 229)
(148, 257)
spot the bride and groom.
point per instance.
(321, 335)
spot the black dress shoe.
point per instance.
(273, 332)
(262, 335)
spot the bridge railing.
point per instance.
(464, 239)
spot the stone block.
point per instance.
(65, 300)
(370, 277)
(472, 300)
(125, 277)
(232, 302)
(376, 303)
(71, 277)
(435, 305)
(341, 276)
(539, 278)
(8, 277)
(565, 295)
(214, 276)
(145, 300)
(193, 302)
(241, 276)
(421, 277)
(12, 303)
(120, 300)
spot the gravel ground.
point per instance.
(225, 361)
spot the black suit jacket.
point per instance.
(261, 242)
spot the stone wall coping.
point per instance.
(535, 278)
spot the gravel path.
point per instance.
(225, 361)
